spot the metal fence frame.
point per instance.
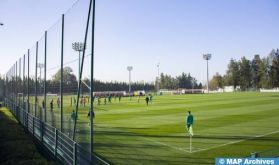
(32, 116)
(61, 147)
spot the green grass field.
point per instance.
(225, 125)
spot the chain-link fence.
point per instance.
(47, 91)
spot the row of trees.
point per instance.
(166, 82)
(250, 74)
(71, 84)
(182, 81)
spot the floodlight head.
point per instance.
(1, 24)
(207, 56)
(129, 68)
(78, 46)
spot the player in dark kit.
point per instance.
(147, 100)
(189, 123)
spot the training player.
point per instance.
(189, 123)
(99, 100)
(147, 100)
(51, 104)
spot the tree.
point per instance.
(255, 69)
(182, 81)
(232, 75)
(186, 81)
(264, 73)
(245, 73)
(168, 82)
(275, 69)
(68, 76)
(216, 82)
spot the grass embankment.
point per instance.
(16, 147)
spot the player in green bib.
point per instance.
(189, 123)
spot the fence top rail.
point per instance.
(47, 130)
(50, 137)
(30, 115)
(64, 136)
(65, 150)
(65, 141)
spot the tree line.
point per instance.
(250, 74)
(70, 84)
(247, 74)
(184, 80)
(166, 82)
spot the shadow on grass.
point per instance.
(16, 146)
(124, 145)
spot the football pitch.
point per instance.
(225, 125)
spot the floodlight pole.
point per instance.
(207, 76)
(158, 79)
(130, 68)
(78, 46)
(207, 57)
(40, 66)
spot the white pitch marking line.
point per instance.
(233, 142)
(164, 144)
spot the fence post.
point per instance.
(56, 138)
(91, 80)
(24, 117)
(28, 72)
(81, 69)
(42, 131)
(75, 153)
(36, 81)
(26, 120)
(45, 120)
(61, 76)
(16, 86)
(23, 90)
(33, 130)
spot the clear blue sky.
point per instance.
(142, 33)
